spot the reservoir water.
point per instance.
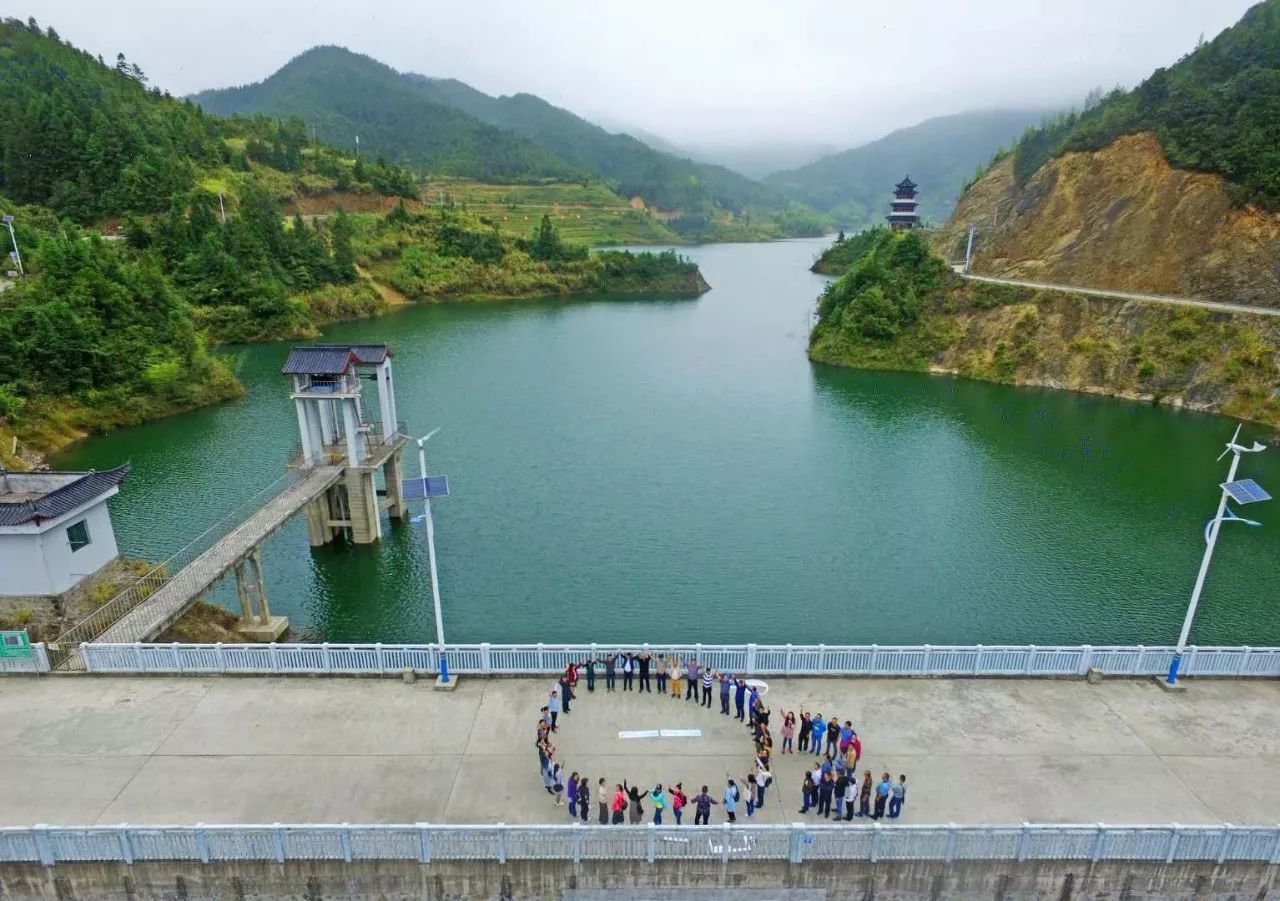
(678, 470)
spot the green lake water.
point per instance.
(678, 471)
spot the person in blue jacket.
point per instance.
(731, 795)
(816, 734)
(740, 696)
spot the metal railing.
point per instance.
(369, 437)
(106, 616)
(794, 660)
(424, 843)
(35, 662)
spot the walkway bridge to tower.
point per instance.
(332, 477)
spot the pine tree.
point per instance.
(344, 254)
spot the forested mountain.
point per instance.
(1172, 187)
(430, 123)
(345, 95)
(940, 154)
(1216, 110)
(105, 330)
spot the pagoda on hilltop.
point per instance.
(902, 215)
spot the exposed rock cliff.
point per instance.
(1119, 218)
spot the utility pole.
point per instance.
(17, 257)
(425, 487)
(222, 209)
(968, 251)
(357, 146)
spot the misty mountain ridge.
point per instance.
(940, 154)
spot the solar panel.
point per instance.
(1245, 491)
(432, 486)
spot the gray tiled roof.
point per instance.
(327, 359)
(40, 501)
(366, 354)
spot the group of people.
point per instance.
(832, 780)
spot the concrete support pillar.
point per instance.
(362, 506)
(259, 626)
(328, 422)
(393, 475)
(246, 609)
(351, 425)
(315, 429)
(386, 399)
(255, 562)
(318, 513)
(304, 429)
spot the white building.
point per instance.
(55, 529)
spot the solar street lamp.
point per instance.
(1244, 491)
(425, 488)
(14, 254)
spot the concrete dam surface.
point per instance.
(181, 750)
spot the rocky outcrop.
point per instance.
(1119, 218)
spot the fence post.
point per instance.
(1226, 842)
(137, 654)
(697, 655)
(977, 661)
(751, 659)
(724, 848)
(177, 656)
(1275, 849)
(40, 834)
(424, 843)
(797, 842)
(379, 658)
(577, 843)
(822, 658)
(502, 831)
(951, 842)
(326, 660)
(219, 658)
(1024, 840)
(1099, 843)
(875, 654)
(787, 665)
(650, 842)
(541, 665)
(126, 846)
(277, 842)
(927, 654)
(486, 659)
(344, 839)
(875, 841)
(1031, 660)
(201, 842)
(1189, 665)
(1173, 843)
(1244, 661)
(1137, 663)
(274, 655)
(1086, 660)
(42, 657)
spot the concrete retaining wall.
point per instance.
(624, 880)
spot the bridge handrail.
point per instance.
(794, 843)
(161, 574)
(800, 660)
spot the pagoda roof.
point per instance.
(35, 496)
(906, 183)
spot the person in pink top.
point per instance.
(788, 732)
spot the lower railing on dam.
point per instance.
(50, 845)
(797, 660)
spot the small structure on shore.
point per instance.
(55, 529)
(902, 212)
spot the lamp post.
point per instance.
(1246, 491)
(17, 257)
(431, 551)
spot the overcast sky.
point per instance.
(699, 72)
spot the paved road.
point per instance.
(1129, 295)
(87, 749)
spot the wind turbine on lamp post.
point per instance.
(1244, 491)
(424, 488)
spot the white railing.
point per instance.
(35, 662)
(794, 660)
(423, 842)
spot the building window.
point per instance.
(78, 535)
